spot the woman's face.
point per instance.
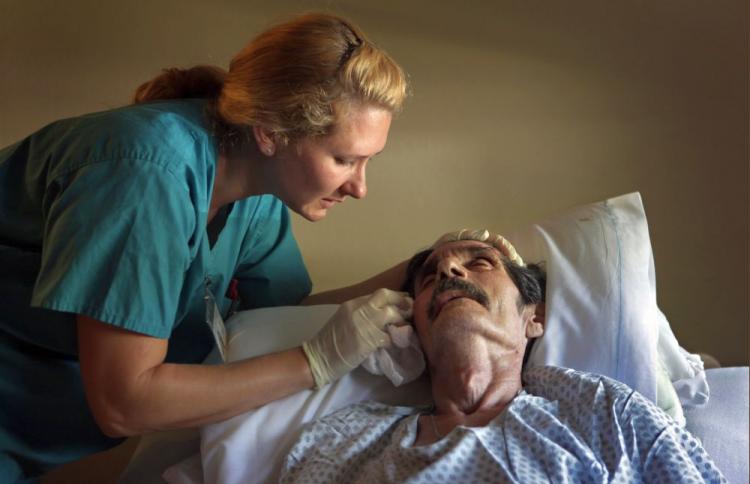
(315, 173)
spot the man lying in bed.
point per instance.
(476, 305)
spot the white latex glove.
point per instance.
(482, 235)
(354, 331)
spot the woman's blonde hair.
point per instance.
(293, 79)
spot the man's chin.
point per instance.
(459, 306)
(466, 319)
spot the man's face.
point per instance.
(464, 291)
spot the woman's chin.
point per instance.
(313, 214)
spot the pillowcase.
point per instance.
(601, 317)
(601, 305)
(602, 314)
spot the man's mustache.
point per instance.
(468, 289)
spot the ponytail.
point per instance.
(174, 83)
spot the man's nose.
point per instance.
(448, 268)
(356, 186)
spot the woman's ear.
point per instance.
(265, 140)
(535, 320)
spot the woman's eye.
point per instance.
(343, 162)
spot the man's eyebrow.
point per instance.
(430, 264)
(488, 249)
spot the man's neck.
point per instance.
(472, 385)
(475, 383)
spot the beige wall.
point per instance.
(519, 110)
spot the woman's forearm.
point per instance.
(179, 395)
(131, 390)
(392, 278)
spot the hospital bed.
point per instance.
(602, 317)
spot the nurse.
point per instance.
(123, 232)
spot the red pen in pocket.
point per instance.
(234, 295)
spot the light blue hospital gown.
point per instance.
(567, 426)
(105, 215)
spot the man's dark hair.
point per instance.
(531, 281)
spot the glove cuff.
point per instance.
(316, 366)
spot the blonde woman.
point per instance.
(123, 233)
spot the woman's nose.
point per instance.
(356, 186)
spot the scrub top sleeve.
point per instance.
(272, 272)
(116, 245)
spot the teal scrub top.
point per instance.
(117, 204)
(105, 215)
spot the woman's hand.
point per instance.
(353, 332)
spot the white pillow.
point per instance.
(601, 306)
(601, 317)
(602, 314)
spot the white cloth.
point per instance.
(685, 369)
(403, 361)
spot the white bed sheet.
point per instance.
(722, 424)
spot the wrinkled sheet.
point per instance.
(723, 424)
(567, 426)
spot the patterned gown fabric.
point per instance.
(566, 426)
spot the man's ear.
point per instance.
(536, 320)
(264, 138)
